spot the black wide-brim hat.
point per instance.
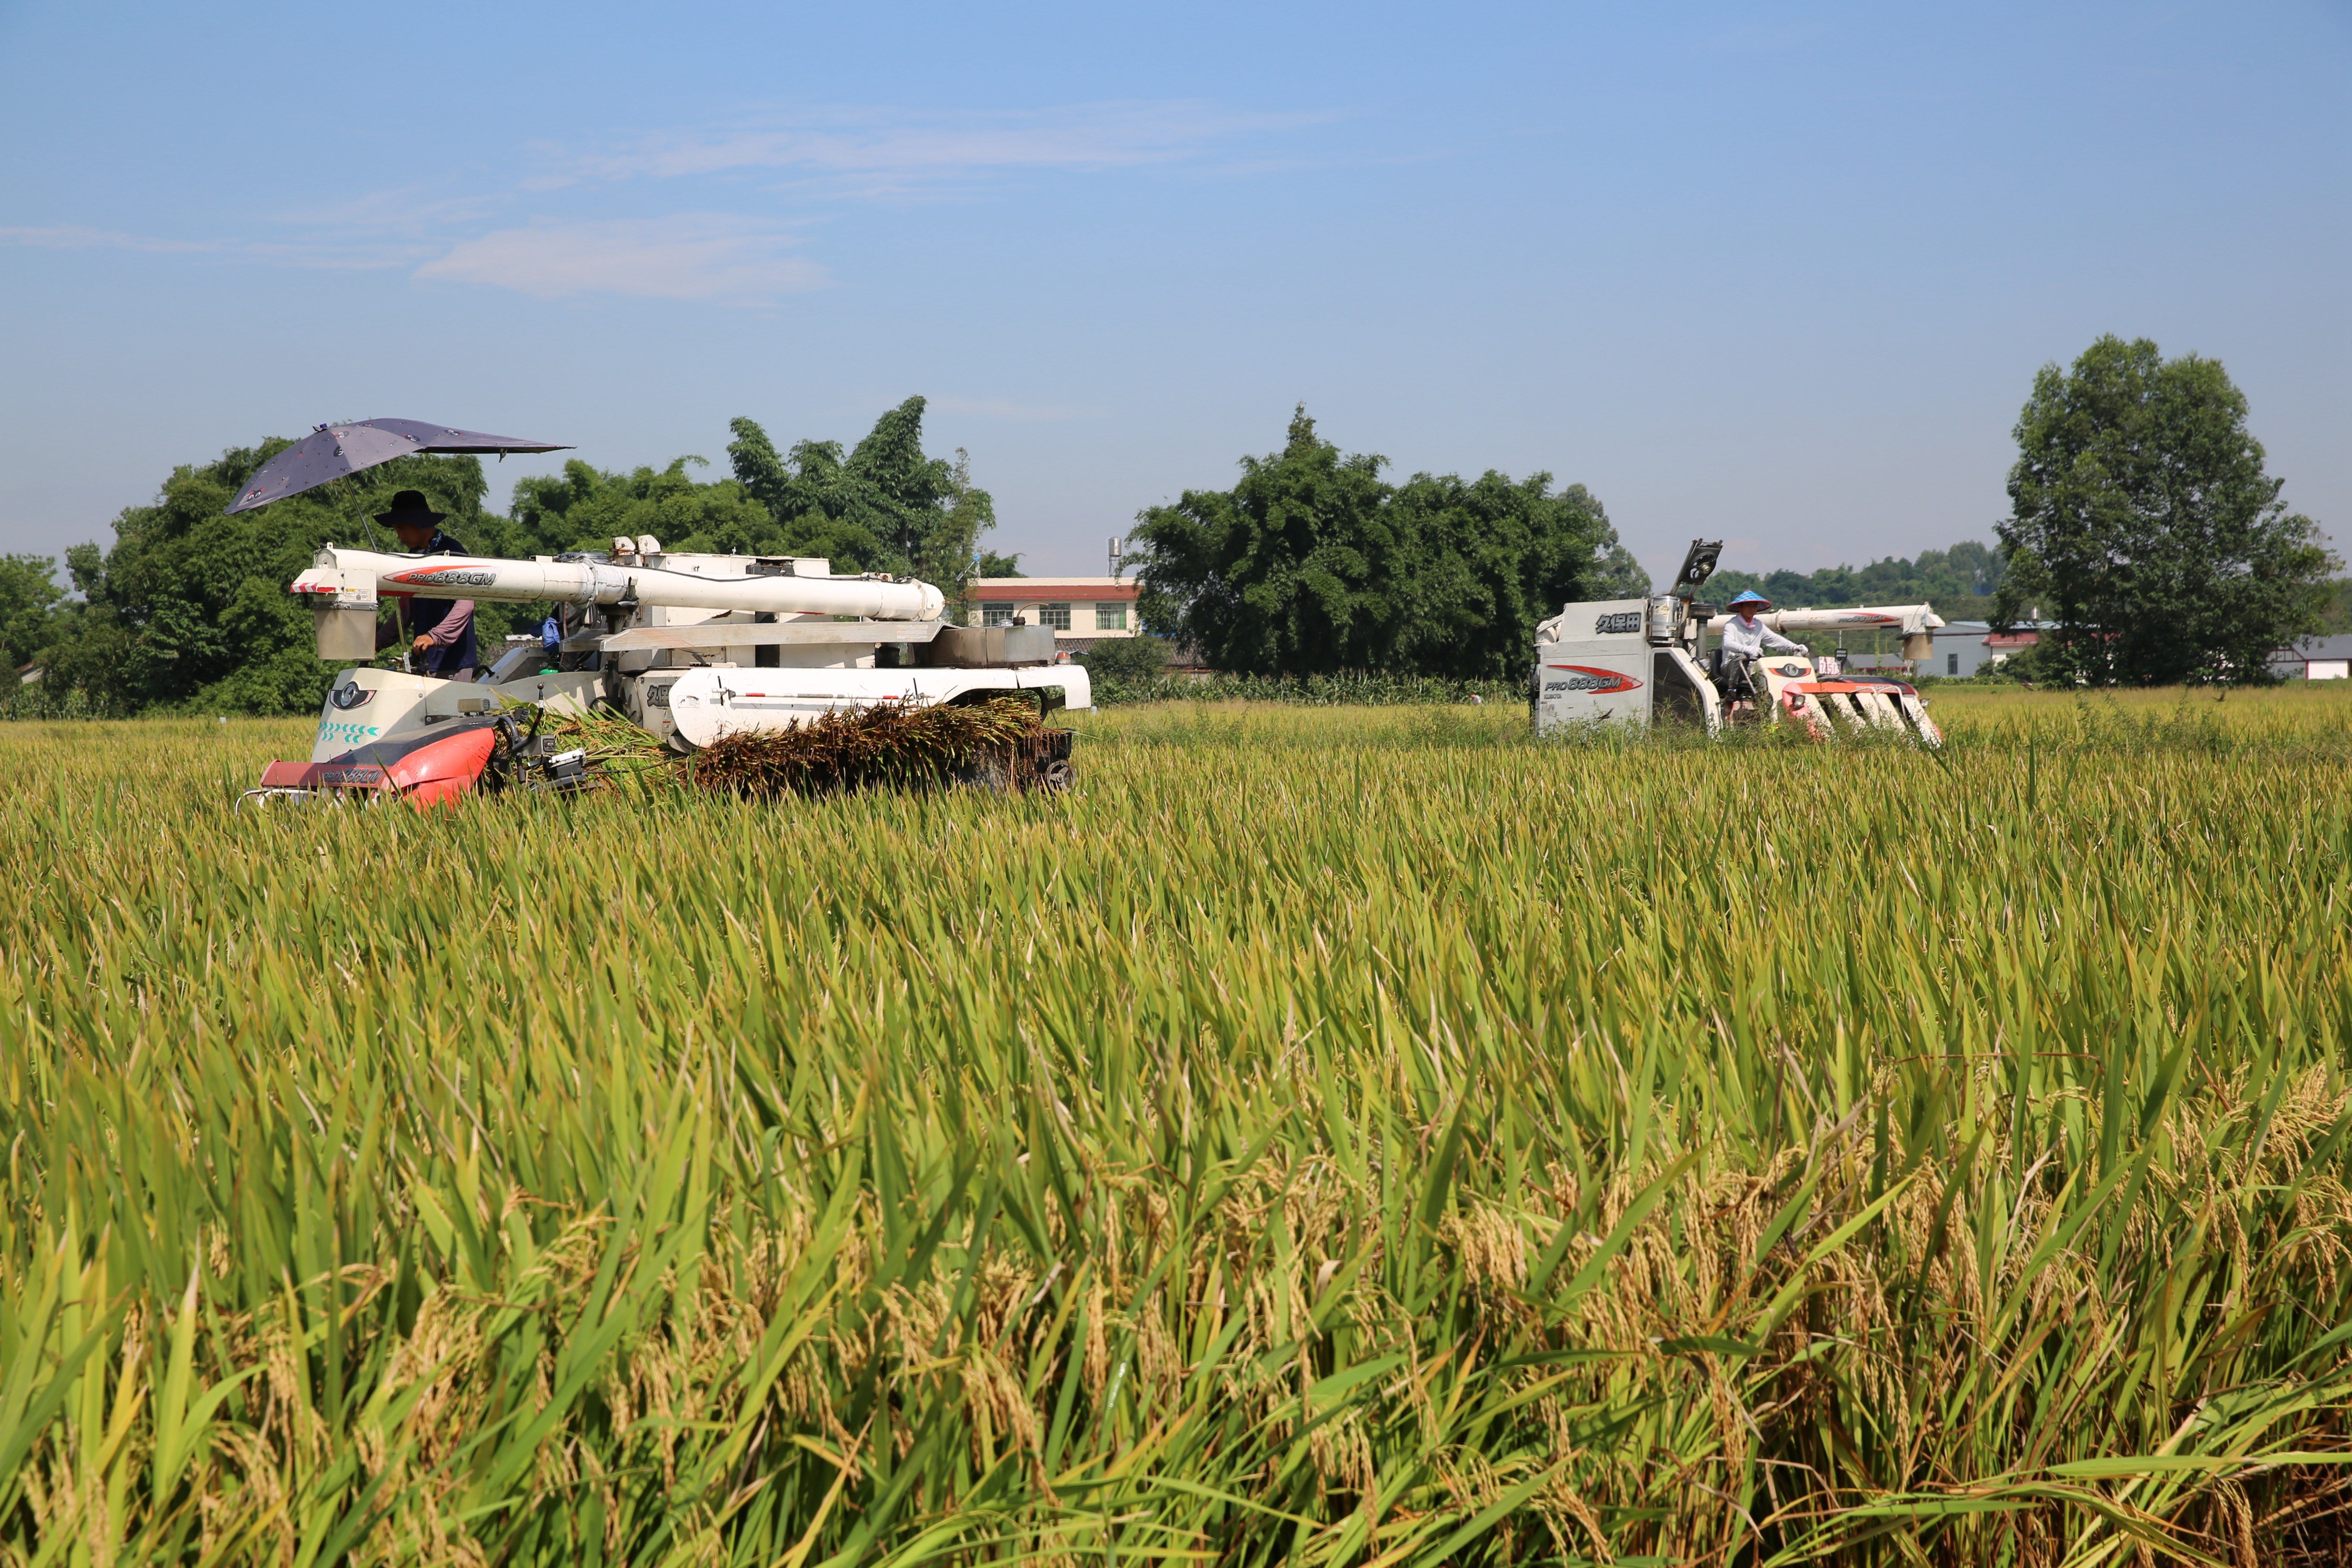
(410, 507)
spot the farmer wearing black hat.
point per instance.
(440, 631)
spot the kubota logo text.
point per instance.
(1591, 682)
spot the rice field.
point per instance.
(1331, 1136)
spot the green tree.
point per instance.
(585, 508)
(1283, 574)
(804, 495)
(1481, 561)
(1126, 659)
(2337, 618)
(883, 506)
(1959, 582)
(2143, 524)
(1312, 564)
(1615, 574)
(29, 601)
(950, 554)
(1969, 568)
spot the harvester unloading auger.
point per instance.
(692, 648)
(1645, 661)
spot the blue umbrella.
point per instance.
(331, 451)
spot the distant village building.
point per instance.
(1963, 649)
(2314, 659)
(1999, 646)
(1083, 611)
(1959, 650)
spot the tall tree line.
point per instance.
(2143, 524)
(1313, 564)
(1959, 582)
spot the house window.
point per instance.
(995, 614)
(1952, 664)
(1110, 617)
(1055, 615)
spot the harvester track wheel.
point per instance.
(1057, 775)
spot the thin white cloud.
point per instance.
(892, 148)
(74, 236)
(401, 209)
(709, 257)
(714, 257)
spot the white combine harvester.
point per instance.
(692, 647)
(1645, 661)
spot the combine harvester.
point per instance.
(692, 648)
(1644, 662)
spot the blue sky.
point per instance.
(1781, 274)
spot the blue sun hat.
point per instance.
(1750, 597)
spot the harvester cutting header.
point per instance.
(1645, 661)
(692, 647)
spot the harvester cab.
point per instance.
(1646, 661)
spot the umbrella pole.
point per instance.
(349, 496)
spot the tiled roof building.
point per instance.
(1081, 610)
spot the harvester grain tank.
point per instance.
(1645, 661)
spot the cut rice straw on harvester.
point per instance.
(858, 749)
(894, 747)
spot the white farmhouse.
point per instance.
(1082, 611)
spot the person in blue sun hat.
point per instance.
(1744, 640)
(1749, 638)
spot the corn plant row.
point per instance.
(1338, 1137)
